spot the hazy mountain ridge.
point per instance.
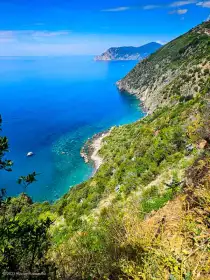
(129, 53)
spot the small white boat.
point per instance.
(30, 154)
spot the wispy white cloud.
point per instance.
(6, 33)
(175, 4)
(179, 12)
(77, 44)
(117, 9)
(204, 4)
(49, 33)
(151, 7)
(182, 3)
(6, 40)
(7, 36)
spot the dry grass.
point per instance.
(171, 243)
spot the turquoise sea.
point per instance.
(51, 106)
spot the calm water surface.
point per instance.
(51, 106)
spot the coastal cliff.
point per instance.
(129, 53)
(178, 71)
(137, 217)
(145, 212)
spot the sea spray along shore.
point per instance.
(90, 151)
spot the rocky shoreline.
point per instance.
(90, 150)
(125, 88)
(109, 58)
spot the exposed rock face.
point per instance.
(178, 71)
(129, 53)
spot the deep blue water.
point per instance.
(51, 106)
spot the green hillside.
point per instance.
(178, 70)
(145, 213)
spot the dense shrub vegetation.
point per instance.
(144, 214)
(144, 167)
(179, 69)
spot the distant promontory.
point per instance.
(129, 53)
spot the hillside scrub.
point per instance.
(122, 238)
(154, 226)
(145, 213)
(180, 69)
(172, 243)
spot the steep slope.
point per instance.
(145, 213)
(115, 224)
(129, 53)
(178, 70)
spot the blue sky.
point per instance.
(67, 27)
